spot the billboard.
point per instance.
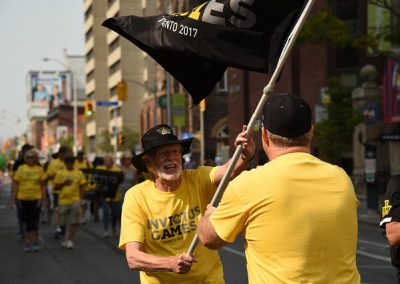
(48, 89)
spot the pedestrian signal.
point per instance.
(121, 139)
(89, 108)
(122, 91)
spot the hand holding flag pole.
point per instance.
(267, 90)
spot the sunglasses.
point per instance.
(30, 157)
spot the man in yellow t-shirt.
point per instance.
(70, 184)
(82, 163)
(160, 215)
(297, 214)
(55, 165)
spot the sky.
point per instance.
(31, 30)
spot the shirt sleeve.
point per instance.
(43, 175)
(229, 217)
(132, 221)
(391, 204)
(58, 178)
(17, 175)
(82, 179)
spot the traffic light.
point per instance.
(89, 108)
(121, 139)
(122, 91)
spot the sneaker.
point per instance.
(64, 244)
(27, 248)
(70, 244)
(106, 234)
(35, 247)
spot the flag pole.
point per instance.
(267, 90)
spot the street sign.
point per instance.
(106, 103)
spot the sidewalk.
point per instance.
(94, 259)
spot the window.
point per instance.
(113, 45)
(90, 76)
(88, 34)
(222, 85)
(89, 55)
(114, 68)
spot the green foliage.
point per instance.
(333, 136)
(105, 142)
(67, 142)
(131, 137)
(325, 27)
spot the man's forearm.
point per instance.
(146, 262)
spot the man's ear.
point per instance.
(264, 136)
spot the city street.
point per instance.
(96, 259)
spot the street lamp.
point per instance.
(75, 98)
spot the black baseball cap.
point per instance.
(287, 115)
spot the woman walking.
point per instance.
(29, 195)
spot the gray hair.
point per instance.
(285, 142)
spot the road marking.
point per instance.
(374, 256)
(231, 250)
(373, 244)
(359, 252)
(375, 266)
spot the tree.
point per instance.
(333, 136)
(105, 142)
(326, 27)
(131, 138)
(67, 142)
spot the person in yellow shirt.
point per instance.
(29, 195)
(160, 215)
(82, 163)
(111, 205)
(296, 213)
(70, 185)
(56, 164)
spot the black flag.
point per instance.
(196, 47)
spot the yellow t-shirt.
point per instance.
(69, 193)
(298, 216)
(30, 179)
(55, 166)
(114, 168)
(165, 222)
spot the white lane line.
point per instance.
(375, 267)
(373, 244)
(374, 256)
(231, 250)
(362, 253)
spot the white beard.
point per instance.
(169, 176)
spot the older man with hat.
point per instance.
(299, 219)
(160, 215)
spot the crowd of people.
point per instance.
(60, 192)
(296, 213)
